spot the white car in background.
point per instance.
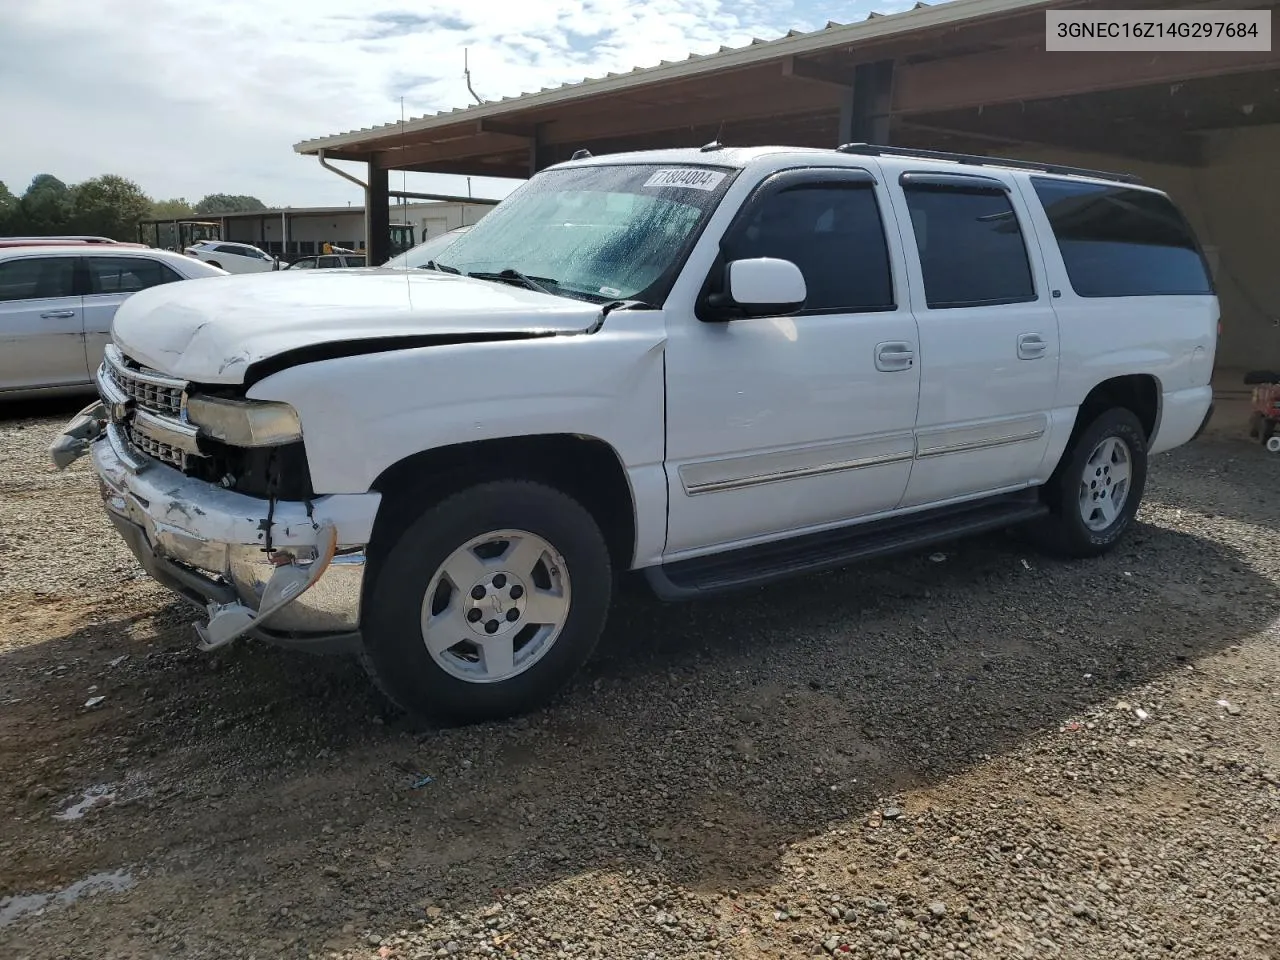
(57, 304)
(233, 257)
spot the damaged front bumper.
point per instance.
(290, 573)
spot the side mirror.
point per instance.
(760, 287)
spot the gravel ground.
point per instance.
(987, 755)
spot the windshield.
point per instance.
(617, 232)
(424, 252)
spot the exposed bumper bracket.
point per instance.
(229, 621)
(73, 442)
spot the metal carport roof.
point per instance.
(956, 75)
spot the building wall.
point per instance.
(432, 219)
(1234, 205)
(1241, 204)
(342, 229)
(308, 232)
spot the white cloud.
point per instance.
(189, 99)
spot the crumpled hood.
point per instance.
(213, 329)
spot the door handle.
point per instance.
(895, 356)
(1031, 346)
(58, 315)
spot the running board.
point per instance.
(830, 549)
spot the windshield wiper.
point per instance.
(510, 274)
(442, 267)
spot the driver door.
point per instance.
(778, 425)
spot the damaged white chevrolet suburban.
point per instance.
(714, 367)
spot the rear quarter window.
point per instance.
(1120, 242)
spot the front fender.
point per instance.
(362, 414)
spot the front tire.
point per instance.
(488, 603)
(1094, 494)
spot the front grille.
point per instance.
(155, 427)
(154, 424)
(148, 389)
(164, 452)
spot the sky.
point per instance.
(188, 98)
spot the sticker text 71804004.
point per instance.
(691, 179)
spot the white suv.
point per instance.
(713, 367)
(233, 257)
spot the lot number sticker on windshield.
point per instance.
(688, 179)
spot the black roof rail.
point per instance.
(873, 150)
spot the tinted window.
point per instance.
(971, 247)
(304, 265)
(37, 278)
(833, 233)
(127, 274)
(330, 261)
(1121, 242)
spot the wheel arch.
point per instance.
(584, 467)
(1140, 393)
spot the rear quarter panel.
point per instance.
(1171, 338)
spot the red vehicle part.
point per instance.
(1264, 420)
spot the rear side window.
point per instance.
(833, 233)
(37, 278)
(972, 252)
(127, 274)
(1121, 242)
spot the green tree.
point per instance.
(228, 203)
(8, 210)
(45, 208)
(109, 206)
(175, 209)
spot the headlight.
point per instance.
(245, 423)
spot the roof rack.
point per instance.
(872, 150)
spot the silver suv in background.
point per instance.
(327, 261)
(57, 304)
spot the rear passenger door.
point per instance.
(989, 344)
(111, 281)
(41, 323)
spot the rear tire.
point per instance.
(1094, 494)
(488, 603)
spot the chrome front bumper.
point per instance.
(288, 573)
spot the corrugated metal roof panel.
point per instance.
(875, 26)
